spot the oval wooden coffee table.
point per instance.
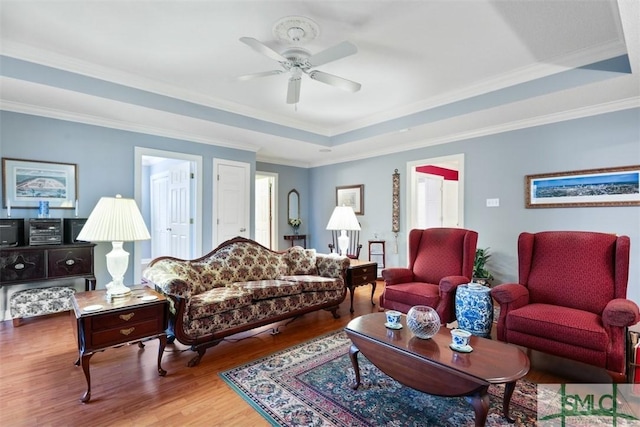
(432, 367)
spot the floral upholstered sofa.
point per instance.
(242, 285)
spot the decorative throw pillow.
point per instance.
(301, 261)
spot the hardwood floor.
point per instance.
(40, 385)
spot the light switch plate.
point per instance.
(493, 203)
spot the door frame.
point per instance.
(139, 153)
(274, 201)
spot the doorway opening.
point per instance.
(168, 190)
(266, 230)
(435, 192)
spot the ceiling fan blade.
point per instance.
(258, 46)
(293, 92)
(336, 81)
(257, 75)
(333, 53)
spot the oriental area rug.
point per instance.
(309, 385)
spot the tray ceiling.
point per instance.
(431, 71)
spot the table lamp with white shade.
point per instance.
(116, 220)
(343, 218)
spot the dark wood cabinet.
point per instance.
(70, 261)
(102, 323)
(110, 329)
(23, 264)
(361, 273)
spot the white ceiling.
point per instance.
(423, 65)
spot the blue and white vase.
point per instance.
(474, 309)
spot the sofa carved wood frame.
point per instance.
(199, 344)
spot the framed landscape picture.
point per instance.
(27, 182)
(619, 186)
(351, 195)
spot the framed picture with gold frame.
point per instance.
(351, 195)
(618, 186)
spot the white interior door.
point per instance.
(159, 214)
(231, 199)
(170, 212)
(180, 218)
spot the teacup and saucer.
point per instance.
(460, 340)
(393, 319)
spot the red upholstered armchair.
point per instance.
(440, 259)
(571, 298)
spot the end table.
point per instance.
(102, 323)
(361, 273)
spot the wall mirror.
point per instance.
(293, 204)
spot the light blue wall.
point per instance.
(105, 160)
(290, 178)
(495, 167)
(375, 173)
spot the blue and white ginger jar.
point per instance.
(474, 309)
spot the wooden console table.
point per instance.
(102, 323)
(295, 237)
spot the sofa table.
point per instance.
(102, 323)
(293, 238)
(361, 273)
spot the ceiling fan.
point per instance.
(298, 61)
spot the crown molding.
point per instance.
(526, 74)
(571, 114)
(523, 75)
(73, 65)
(118, 124)
(577, 113)
(282, 162)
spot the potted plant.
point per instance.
(480, 273)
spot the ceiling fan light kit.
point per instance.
(297, 30)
